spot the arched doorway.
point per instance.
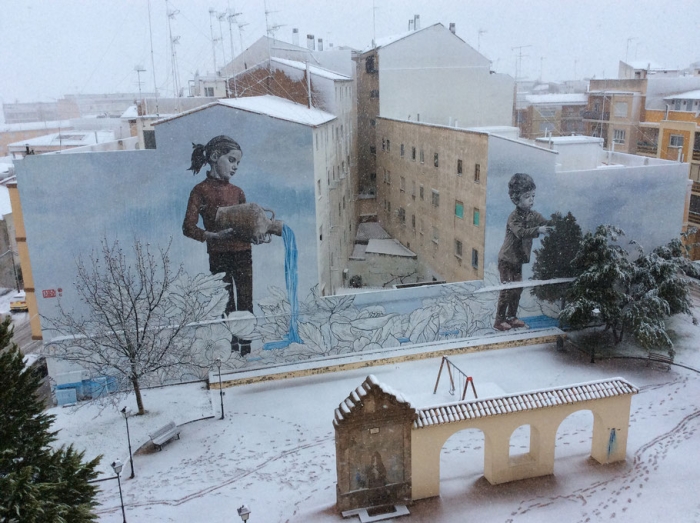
(574, 438)
(461, 461)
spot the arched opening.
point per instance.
(461, 461)
(573, 441)
(522, 447)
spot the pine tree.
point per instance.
(37, 483)
(553, 259)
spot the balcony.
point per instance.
(595, 115)
(696, 156)
(646, 149)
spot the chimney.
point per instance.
(310, 44)
(453, 28)
(410, 24)
(320, 44)
(416, 22)
(295, 36)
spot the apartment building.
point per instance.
(431, 195)
(551, 114)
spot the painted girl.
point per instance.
(229, 253)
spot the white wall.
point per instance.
(413, 69)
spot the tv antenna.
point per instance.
(478, 39)
(139, 69)
(519, 59)
(212, 12)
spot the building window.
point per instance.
(620, 109)
(436, 198)
(318, 185)
(402, 150)
(388, 207)
(388, 145)
(435, 160)
(475, 216)
(369, 65)
(383, 144)
(402, 184)
(422, 156)
(402, 215)
(320, 233)
(619, 136)
(422, 197)
(475, 258)
(388, 177)
(373, 122)
(413, 189)
(676, 140)
(477, 173)
(372, 177)
(374, 93)
(413, 154)
(458, 248)
(413, 221)
(372, 149)
(459, 209)
(436, 235)
(149, 139)
(459, 167)
(209, 91)
(547, 112)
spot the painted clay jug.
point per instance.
(249, 221)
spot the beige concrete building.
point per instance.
(431, 195)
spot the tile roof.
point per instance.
(465, 410)
(354, 400)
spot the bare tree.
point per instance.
(138, 315)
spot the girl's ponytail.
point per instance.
(199, 158)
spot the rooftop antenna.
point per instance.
(478, 39)
(519, 59)
(240, 32)
(212, 12)
(232, 18)
(575, 62)
(541, 66)
(270, 28)
(374, 24)
(221, 17)
(153, 62)
(174, 40)
(139, 69)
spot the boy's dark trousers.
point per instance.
(509, 299)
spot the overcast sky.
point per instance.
(56, 47)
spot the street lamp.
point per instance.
(125, 413)
(244, 512)
(117, 466)
(596, 315)
(221, 390)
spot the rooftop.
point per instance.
(268, 105)
(569, 99)
(70, 138)
(688, 95)
(315, 70)
(389, 247)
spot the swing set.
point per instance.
(462, 378)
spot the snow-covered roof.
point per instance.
(358, 251)
(315, 70)
(371, 231)
(387, 40)
(131, 112)
(570, 139)
(688, 95)
(612, 91)
(268, 105)
(355, 399)
(389, 247)
(34, 126)
(645, 65)
(5, 205)
(70, 138)
(538, 399)
(561, 99)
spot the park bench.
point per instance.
(663, 359)
(165, 434)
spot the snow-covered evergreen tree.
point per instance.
(637, 296)
(37, 483)
(553, 259)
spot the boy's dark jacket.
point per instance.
(520, 230)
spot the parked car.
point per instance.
(19, 302)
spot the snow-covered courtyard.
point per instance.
(275, 450)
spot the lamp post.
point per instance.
(596, 315)
(125, 413)
(244, 512)
(221, 390)
(117, 466)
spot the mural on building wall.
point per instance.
(523, 225)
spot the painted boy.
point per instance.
(523, 225)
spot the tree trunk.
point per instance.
(137, 392)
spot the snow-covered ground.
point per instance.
(275, 451)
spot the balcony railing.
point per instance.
(696, 156)
(646, 148)
(595, 115)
